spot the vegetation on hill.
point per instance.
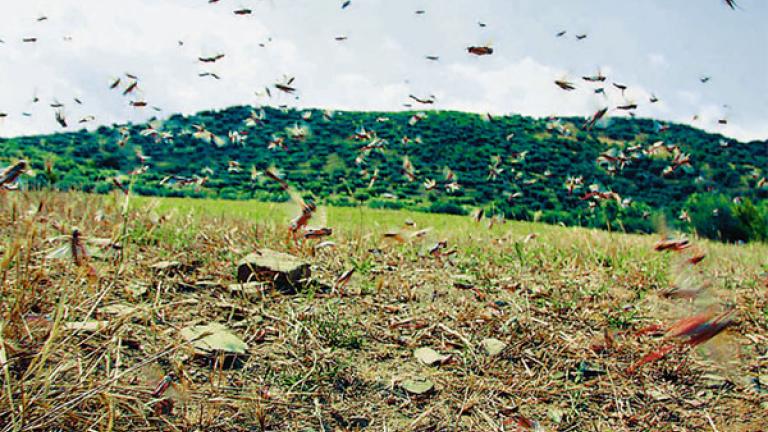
(517, 166)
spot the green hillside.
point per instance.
(531, 160)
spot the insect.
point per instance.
(627, 107)
(565, 85)
(316, 233)
(374, 177)
(598, 193)
(408, 171)
(595, 78)
(522, 423)
(679, 160)
(343, 280)
(80, 249)
(236, 137)
(480, 50)
(306, 209)
(60, 118)
(211, 59)
(277, 142)
(406, 234)
(167, 390)
(285, 86)
(478, 214)
(131, 87)
(427, 101)
(511, 197)
(120, 185)
(417, 118)
(573, 183)
(614, 158)
(689, 332)
(152, 130)
(436, 249)
(672, 244)
(494, 168)
(163, 385)
(298, 132)
(233, 166)
(256, 118)
(10, 175)
(204, 134)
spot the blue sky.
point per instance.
(660, 47)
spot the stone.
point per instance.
(493, 347)
(428, 356)
(285, 272)
(418, 386)
(90, 326)
(170, 267)
(214, 338)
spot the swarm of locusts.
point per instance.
(125, 313)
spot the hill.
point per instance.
(519, 166)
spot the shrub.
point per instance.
(446, 207)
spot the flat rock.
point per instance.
(170, 267)
(428, 356)
(418, 386)
(86, 326)
(213, 338)
(493, 347)
(285, 272)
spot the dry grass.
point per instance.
(319, 361)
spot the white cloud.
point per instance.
(376, 68)
(658, 60)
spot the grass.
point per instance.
(320, 361)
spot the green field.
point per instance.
(85, 343)
(344, 218)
